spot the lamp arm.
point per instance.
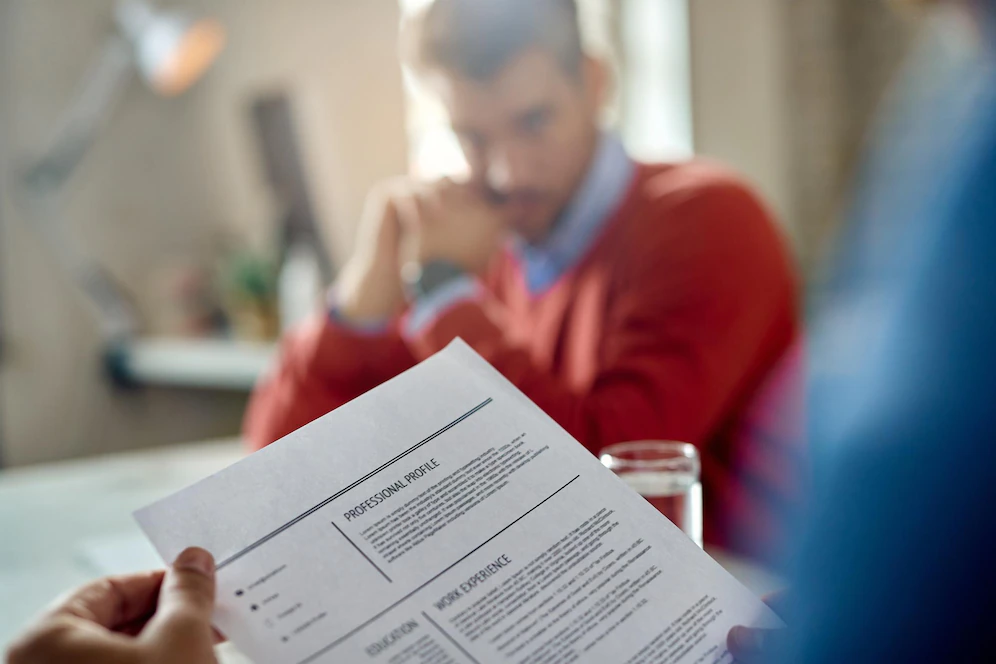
(81, 123)
(43, 184)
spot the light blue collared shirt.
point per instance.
(600, 195)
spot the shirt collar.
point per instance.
(601, 193)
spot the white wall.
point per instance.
(784, 91)
(740, 92)
(339, 59)
(162, 181)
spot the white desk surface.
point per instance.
(66, 523)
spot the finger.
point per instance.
(136, 626)
(65, 638)
(449, 187)
(186, 603)
(749, 645)
(379, 207)
(447, 191)
(431, 201)
(391, 227)
(409, 209)
(114, 601)
(777, 601)
(474, 197)
(388, 190)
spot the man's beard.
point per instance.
(504, 200)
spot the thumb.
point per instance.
(749, 645)
(186, 603)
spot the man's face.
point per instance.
(528, 135)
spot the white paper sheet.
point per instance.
(441, 518)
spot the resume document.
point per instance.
(444, 518)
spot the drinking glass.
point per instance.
(666, 473)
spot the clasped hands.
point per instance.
(407, 222)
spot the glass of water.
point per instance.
(666, 474)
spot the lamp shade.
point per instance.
(172, 49)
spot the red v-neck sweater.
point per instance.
(666, 329)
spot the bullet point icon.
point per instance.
(285, 639)
(240, 593)
(254, 607)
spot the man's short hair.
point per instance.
(476, 38)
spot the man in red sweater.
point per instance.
(629, 301)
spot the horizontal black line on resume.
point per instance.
(304, 515)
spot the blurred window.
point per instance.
(655, 116)
(433, 149)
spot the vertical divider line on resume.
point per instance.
(315, 655)
(451, 639)
(361, 552)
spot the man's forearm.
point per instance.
(368, 294)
